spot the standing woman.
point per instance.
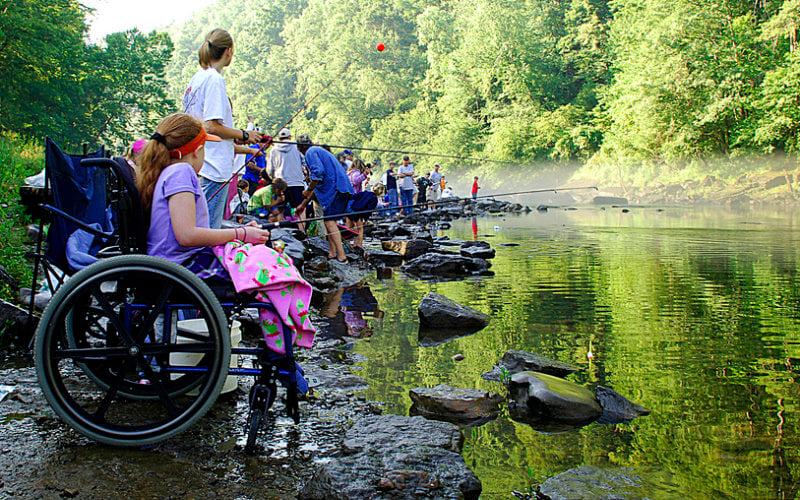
(207, 100)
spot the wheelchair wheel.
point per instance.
(110, 357)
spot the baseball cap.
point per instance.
(284, 133)
(347, 152)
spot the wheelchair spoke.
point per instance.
(113, 317)
(158, 306)
(112, 391)
(162, 394)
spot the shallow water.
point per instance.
(692, 313)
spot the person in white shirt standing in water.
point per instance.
(207, 100)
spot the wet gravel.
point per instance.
(41, 457)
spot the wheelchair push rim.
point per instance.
(126, 376)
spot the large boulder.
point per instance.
(389, 456)
(447, 266)
(407, 248)
(514, 361)
(455, 405)
(437, 311)
(549, 403)
(617, 409)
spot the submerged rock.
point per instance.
(588, 482)
(617, 409)
(389, 456)
(514, 361)
(549, 403)
(437, 311)
(609, 200)
(455, 405)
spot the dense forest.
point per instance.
(667, 80)
(526, 81)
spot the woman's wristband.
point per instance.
(244, 135)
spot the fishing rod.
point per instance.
(416, 153)
(284, 223)
(266, 143)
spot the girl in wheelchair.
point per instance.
(179, 231)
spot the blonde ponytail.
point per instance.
(214, 47)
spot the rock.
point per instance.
(447, 242)
(317, 265)
(549, 403)
(523, 361)
(455, 405)
(40, 301)
(441, 265)
(32, 232)
(389, 456)
(437, 311)
(609, 200)
(388, 258)
(478, 243)
(13, 319)
(396, 229)
(477, 252)
(317, 245)
(346, 275)
(407, 248)
(588, 482)
(458, 357)
(293, 247)
(8, 280)
(617, 409)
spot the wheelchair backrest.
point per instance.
(77, 191)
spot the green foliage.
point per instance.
(54, 84)
(19, 159)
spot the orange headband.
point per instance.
(191, 146)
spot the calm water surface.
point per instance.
(692, 313)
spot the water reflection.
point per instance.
(349, 312)
(692, 313)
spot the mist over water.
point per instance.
(689, 312)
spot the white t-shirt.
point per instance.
(206, 99)
(406, 183)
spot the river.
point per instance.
(692, 313)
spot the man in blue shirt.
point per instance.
(333, 189)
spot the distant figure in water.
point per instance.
(475, 188)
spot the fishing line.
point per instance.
(272, 225)
(415, 153)
(266, 144)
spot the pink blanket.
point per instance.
(273, 278)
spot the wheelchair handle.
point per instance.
(98, 162)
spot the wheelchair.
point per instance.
(134, 349)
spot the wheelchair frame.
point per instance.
(111, 356)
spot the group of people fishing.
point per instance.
(294, 180)
(184, 168)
